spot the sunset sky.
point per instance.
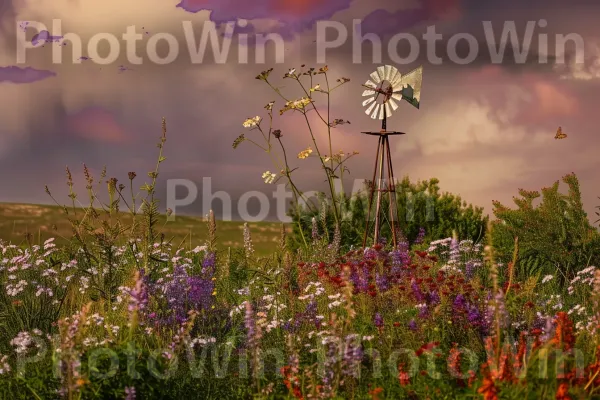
(483, 129)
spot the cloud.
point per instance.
(295, 15)
(386, 22)
(587, 70)
(97, 124)
(14, 74)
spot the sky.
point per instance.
(484, 128)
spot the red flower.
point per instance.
(562, 393)
(403, 376)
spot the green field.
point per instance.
(46, 221)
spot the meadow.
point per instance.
(42, 222)
(105, 299)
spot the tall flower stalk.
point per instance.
(333, 164)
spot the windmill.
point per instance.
(386, 88)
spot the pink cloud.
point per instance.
(295, 15)
(553, 100)
(97, 124)
(15, 74)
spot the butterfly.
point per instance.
(560, 134)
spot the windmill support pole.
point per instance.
(382, 150)
(371, 193)
(394, 217)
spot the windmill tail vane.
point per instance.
(400, 87)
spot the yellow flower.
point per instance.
(251, 122)
(305, 153)
(299, 104)
(214, 293)
(269, 177)
(316, 88)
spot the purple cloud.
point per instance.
(385, 22)
(294, 15)
(45, 37)
(15, 74)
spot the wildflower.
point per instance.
(564, 331)
(277, 133)
(420, 236)
(269, 177)
(316, 88)
(305, 153)
(238, 141)
(248, 247)
(403, 376)
(562, 393)
(412, 325)
(374, 393)
(269, 106)
(130, 393)
(378, 320)
(299, 104)
(488, 388)
(547, 278)
(251, 122)
(264, 75)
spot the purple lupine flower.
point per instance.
(423, 311)
(200, 293)
(331, 359)
(362, 284)
(433, 298)
(378, 320)
(252, 331)
(352, 357)
(470, 269)
(460, 303)
(209, 265)
(417, 292)
(370, 254)
(412, 325)
(130, 393)
(420, 236)
(382, 282)
(176, 293)
(497, 308)
(138, 295)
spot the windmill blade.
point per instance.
(393, 104)
(375, 111)
(388, 109)
(375, 76)
(397, 96)
(370, 84)
(381, 73)
(381, 111)
(395, 75)
(368, 101)
(371, 107)
(389, 70)
(368, 93)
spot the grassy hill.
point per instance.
(45, 221)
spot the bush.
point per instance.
(421, 208)
(555, 235)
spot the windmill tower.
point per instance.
(385, 87)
